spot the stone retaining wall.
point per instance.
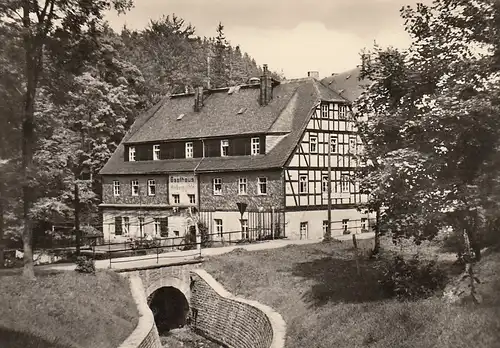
(232, 321)
(145, 334)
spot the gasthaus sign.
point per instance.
(183, 184)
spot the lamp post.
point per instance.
(328, 234)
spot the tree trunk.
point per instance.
(474, 243)
(2, 245)
(77, 220)
(376, 246)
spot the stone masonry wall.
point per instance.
(145, 334)
(125, 197)
(227, 200)
(233, 322)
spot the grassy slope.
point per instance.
(326, 304)
(66, 309)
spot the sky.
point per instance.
(292, 36)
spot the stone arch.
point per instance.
(169, 281)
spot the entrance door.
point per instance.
(303, 230)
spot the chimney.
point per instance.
(266, 87)
(313, 74)
(198, 98)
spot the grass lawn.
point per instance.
(325, 303)
(65, 310)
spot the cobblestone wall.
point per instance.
(231, 321)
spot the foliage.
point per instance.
(430, 122)
(85, 264)
(190, 238)
(412, 279)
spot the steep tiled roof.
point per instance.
(347, 84)
(288, 112)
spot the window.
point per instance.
(157, 226)
(189, 150)
(192, 199)
(242, 186)
(218, 226)
(141, 226)
(345, 225)
(363, 224)
(151, 188)
(116, 188)
(303, 230)
(135, 187)
(325, 227)
(224, 148)
(126, 225)
(262, 186)
(342, 111)
(333, 144)
(244, 229)
(324, 111)
(352, 145)
(313, 144)
(324, 183)
(217, 185)
(303, 184)
(255, 146)
(177, 199)
(344, 182)
(118, 225)
(131, 153)
(156, 152)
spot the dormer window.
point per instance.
(131, 153)
(189, 150)
(255, 146)
(156, 152)
(224, 148)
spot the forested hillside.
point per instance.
(92, 85)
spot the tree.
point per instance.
(44, 24)
(433, 127)
(221, 60)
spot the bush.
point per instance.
(412, 279)
(85, 265)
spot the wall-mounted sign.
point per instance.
(184, 183)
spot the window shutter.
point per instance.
(118, 225)
(164, 227)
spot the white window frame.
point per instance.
(176, 198)
(116, 188)
(333, 144)
(255, 146)
(244, 229)
(325, 227)
(325, 110)
(352, 145)
(131, 154)
(262, 181)
(342, 112)
(141, 225)
(345, 224)
(345, 184)
(157, 226)
(303, 226)
(303, 184)
(364, 225)
(156, 152)
(219, 227)
(315, 143)
(324, 183)
(224, 148)
(192, 198)
(242, 183)
(217, 186)
(126, 225)
(151, 184)
(189, 149)
(134, 184)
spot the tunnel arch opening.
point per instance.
(170, 308)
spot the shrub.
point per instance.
(412, 279)
(85, 265)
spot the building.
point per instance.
(265, 144)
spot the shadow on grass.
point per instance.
(14, 339)
(337, 280)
